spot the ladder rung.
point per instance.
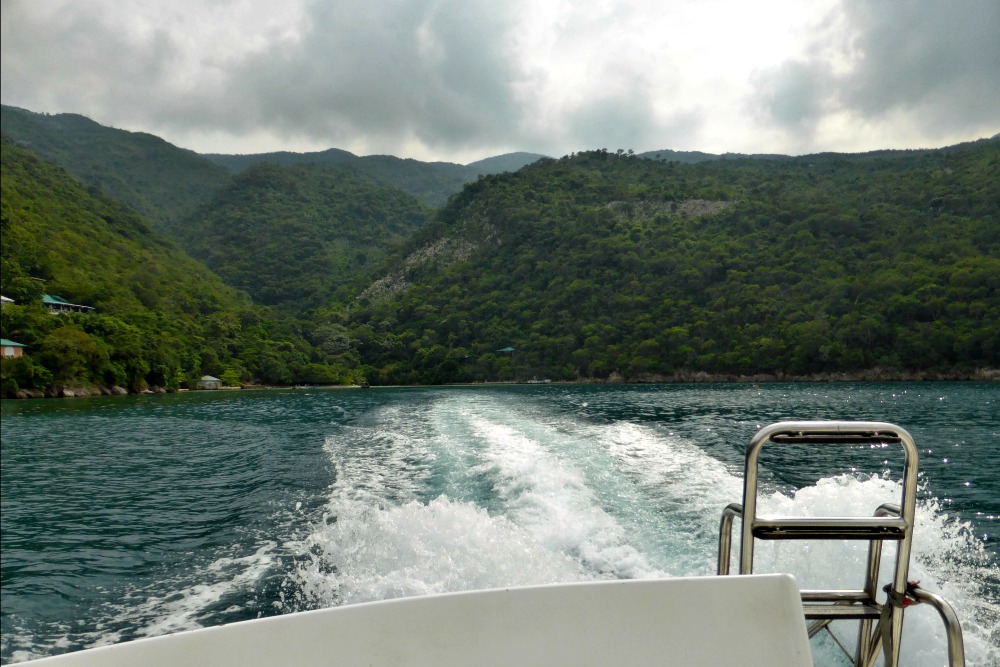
(839, 596)
(841, 611)
(837, 438)
(839, 528)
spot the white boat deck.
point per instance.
(750, 621)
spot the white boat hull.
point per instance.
(751, 621)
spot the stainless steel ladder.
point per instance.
(880, 624)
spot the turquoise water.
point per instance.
(125, 517)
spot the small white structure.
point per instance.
(209, 382)
(11, 348)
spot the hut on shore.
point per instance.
(209, 382)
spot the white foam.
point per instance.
(686, 488)
(549, 496)
(184, 608)
(375, 553)
(574, 499)
(946, 559)
(387, 459)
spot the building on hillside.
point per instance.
(4, 300)
(209, 382)
(58, 305)
(11, 348)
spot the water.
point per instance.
(128, 517)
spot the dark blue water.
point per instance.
(124, 517)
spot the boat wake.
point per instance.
(491, 495)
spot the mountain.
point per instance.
(298, 237)
(694, 157)
(162, 182)
(236, 164)
(502, 163)
(681, 157)
(607, 266)
(430, 182)
(160, 318)
(597, 266)
(166, 183)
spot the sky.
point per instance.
(461, 80)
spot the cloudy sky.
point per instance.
(460, 80)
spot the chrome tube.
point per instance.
(834, 596)
(842, 433)
(732, 511)
(867, 647)
(956, 642)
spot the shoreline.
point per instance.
(697, 377)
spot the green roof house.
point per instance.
(58, 305)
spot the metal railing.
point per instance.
(880, 624)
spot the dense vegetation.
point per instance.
(430, 182)
(596, 266)
(161, 318)
(166, 184)
(601, 265)
(162, 182)
(296, 238)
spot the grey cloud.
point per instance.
(613, 123)
(795, 94)
(628, 122)
(938, 62)
(938, 57)
(383, 72)
(436, 72)
(71, 59)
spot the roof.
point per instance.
(51, 298)
(9, 343)
(6, 299)
(208, 378)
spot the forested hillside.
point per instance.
(162, 182)
(596, 266)
(160, 319)
(430, 182)
(502, 163)
(694, 157)
(298, 238)
(601, 265)
(166, 183)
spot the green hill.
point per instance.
(162, 182)
(298, 238)
(606, 266)
(236, 164)
(502, 163)
(160, 318)
(694, 157)
(430, 182)
(595, 266)
(166, 183)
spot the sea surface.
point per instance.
(126, 517)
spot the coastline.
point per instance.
(687, 377)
